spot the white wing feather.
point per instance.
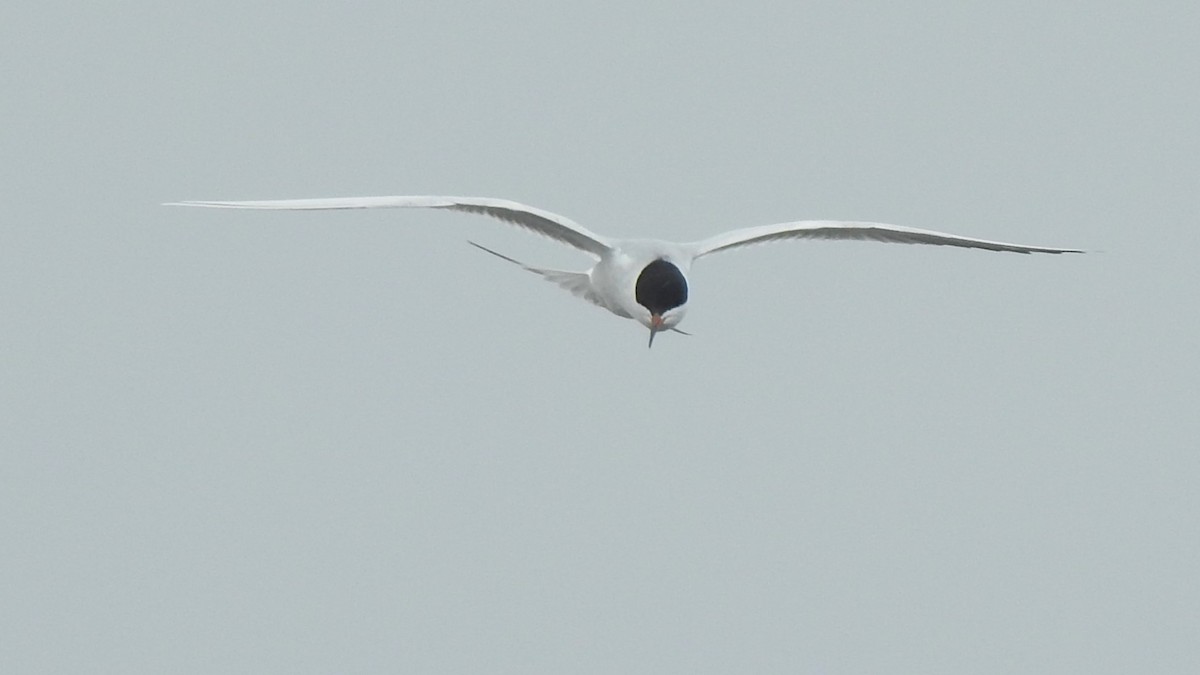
(533, 219)
(831, 229)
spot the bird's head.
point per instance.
(662, 293)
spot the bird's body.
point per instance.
(640, 279)
(626, 263)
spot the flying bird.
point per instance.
(640, 279)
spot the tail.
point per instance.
(578, 283)
(501, 256)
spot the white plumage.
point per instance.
(640, 279)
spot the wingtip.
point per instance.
(193, 203)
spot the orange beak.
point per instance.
(656, 324)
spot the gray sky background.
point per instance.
(349, 442)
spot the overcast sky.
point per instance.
(349, 442)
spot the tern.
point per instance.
(640, 279)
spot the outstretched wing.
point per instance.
(533, 219)
(832, 229)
